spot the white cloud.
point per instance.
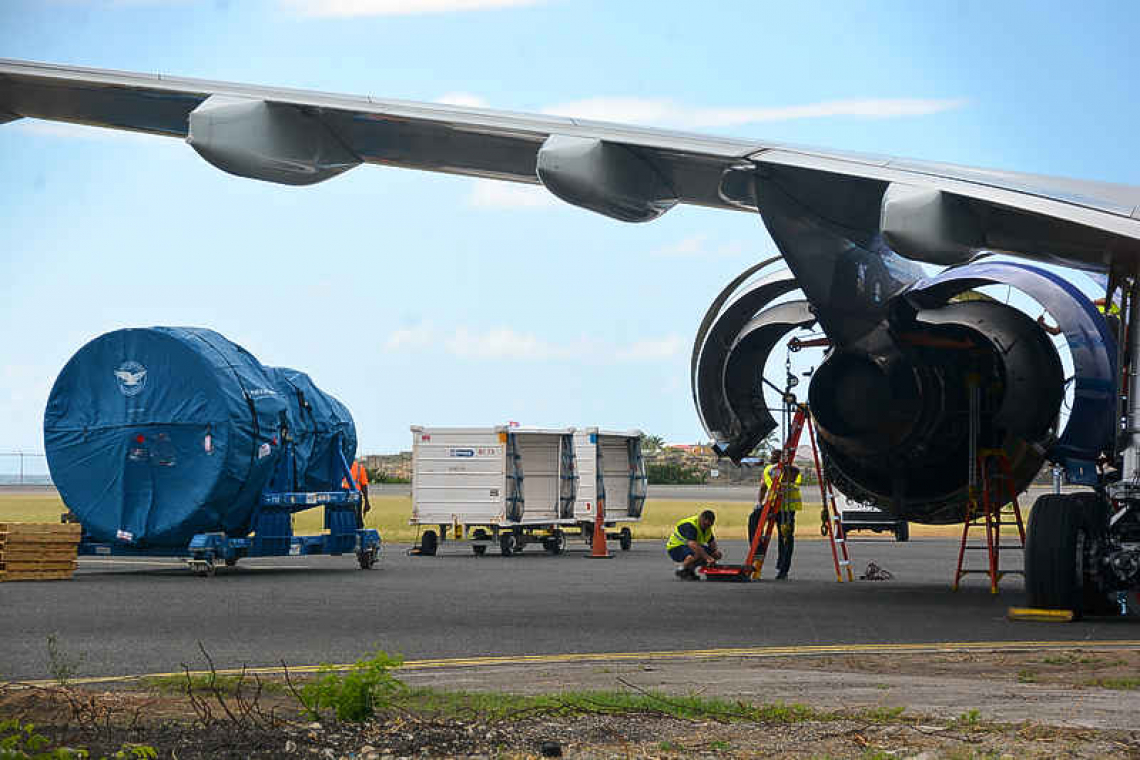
(81, 131)
(651, 350)
(355, 8)
(462, 99)
(510, 344)
(699, 246)
(664, 112)
(417, 337)
(504, 343)
(493, 194)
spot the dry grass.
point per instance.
(390, 515)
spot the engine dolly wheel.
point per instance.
(625, 539)
(508, 544)
(479, 535)
(202, 566)
(1060, 544)
(366, 558)
(429, 543)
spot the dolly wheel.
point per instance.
(231, 561)
(556, 544)
(366, 558)
(480, 535)
(902, 531)
(625, 539)
(507, 544)
(429, 543)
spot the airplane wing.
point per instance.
(926, 211)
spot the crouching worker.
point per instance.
(693, 544)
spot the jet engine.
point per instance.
(893, 406)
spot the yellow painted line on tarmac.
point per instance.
(694, 654)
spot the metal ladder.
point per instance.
(772, 502)
(992, 511)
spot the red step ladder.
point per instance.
(992, 511)
(758, 549)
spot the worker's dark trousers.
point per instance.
(786, 525)
(359, 515)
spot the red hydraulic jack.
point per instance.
(598, 548)
(754, 561)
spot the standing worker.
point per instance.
(693, 544)
(790, 502)
(360, 480)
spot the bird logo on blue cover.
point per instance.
(132, 377)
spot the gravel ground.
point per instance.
(867, 707)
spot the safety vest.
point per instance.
(703, 536)
(792, 500)
(359, 476)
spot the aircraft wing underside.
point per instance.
(629, 173)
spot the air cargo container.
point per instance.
(505, 486)
(610, 465)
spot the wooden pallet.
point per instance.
(36, 564)
(35, 575)
(21, 552)
(38, 551)
(37, 529)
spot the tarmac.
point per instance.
(132, 616)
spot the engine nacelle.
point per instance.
(611, 179)
(267, 141)
(893, 418)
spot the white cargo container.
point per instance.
(610, 464)
(501, 484)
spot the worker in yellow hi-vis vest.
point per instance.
(790, 503)
(693, 544)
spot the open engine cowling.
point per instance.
(892, 408)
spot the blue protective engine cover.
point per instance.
(154, 435)
(316, 420)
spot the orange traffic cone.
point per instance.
(598, 547)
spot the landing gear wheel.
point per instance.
(507, 544)
(429, 543)
(366, 558)
(1059, 543)
(556, 543)
(902, 532)
(625, 539)
(479, 549)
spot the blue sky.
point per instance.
(419, 298)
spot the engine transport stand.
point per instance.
(272, 527)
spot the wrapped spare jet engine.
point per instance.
(892, 400)
(154, 435)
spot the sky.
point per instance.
(428, 299)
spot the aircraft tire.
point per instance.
(1062, 530)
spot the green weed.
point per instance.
(62, 666)
(355, 696)
(1117, 684)
(227, 685)
(19, 741)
